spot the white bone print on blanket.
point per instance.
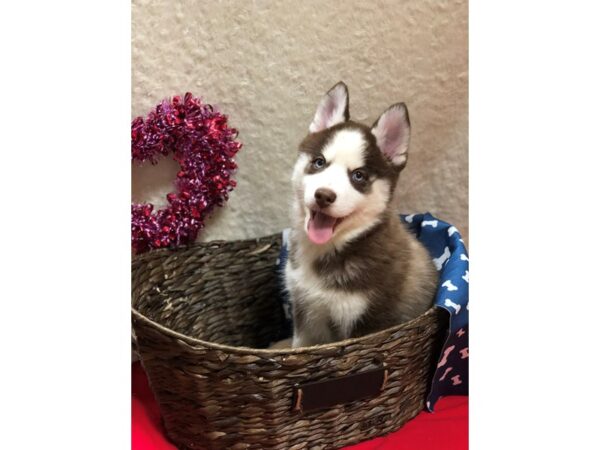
(448, 285)
(430, 223)
(452, 305)
(450, 257)
(466, 276)
(439, 261)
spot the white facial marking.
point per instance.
(346, 148)
(299, 168)
(344, 153)
(334, 177)
(368, 216)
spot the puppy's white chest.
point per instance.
(343, 308)
(346, 309)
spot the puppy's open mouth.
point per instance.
(321, 226)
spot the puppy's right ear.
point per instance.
(332, 109)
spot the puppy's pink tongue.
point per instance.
(320, 228)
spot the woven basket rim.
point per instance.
(157, 253)
(252, 350)
(267, 351)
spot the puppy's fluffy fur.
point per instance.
(353, 268)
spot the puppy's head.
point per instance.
(346, 172)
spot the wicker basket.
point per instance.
(203, 317)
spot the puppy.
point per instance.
(353, 268)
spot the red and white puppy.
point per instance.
(353, 268)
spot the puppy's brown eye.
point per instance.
(319, 162)
(359, 176)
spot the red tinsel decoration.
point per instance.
(204, 147)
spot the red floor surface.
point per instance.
(445, 429)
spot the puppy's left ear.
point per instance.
(392, 131)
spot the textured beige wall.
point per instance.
(267, 63)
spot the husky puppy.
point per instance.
(353, 268)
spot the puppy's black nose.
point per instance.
(324, 197)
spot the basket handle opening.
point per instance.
(349, 388)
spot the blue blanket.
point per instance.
(450, 257)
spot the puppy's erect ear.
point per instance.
(332, 109)
(392, 131)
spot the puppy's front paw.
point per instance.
(299, 341)
(285, 343)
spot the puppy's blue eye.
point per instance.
(319, 163)
(359, 176)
